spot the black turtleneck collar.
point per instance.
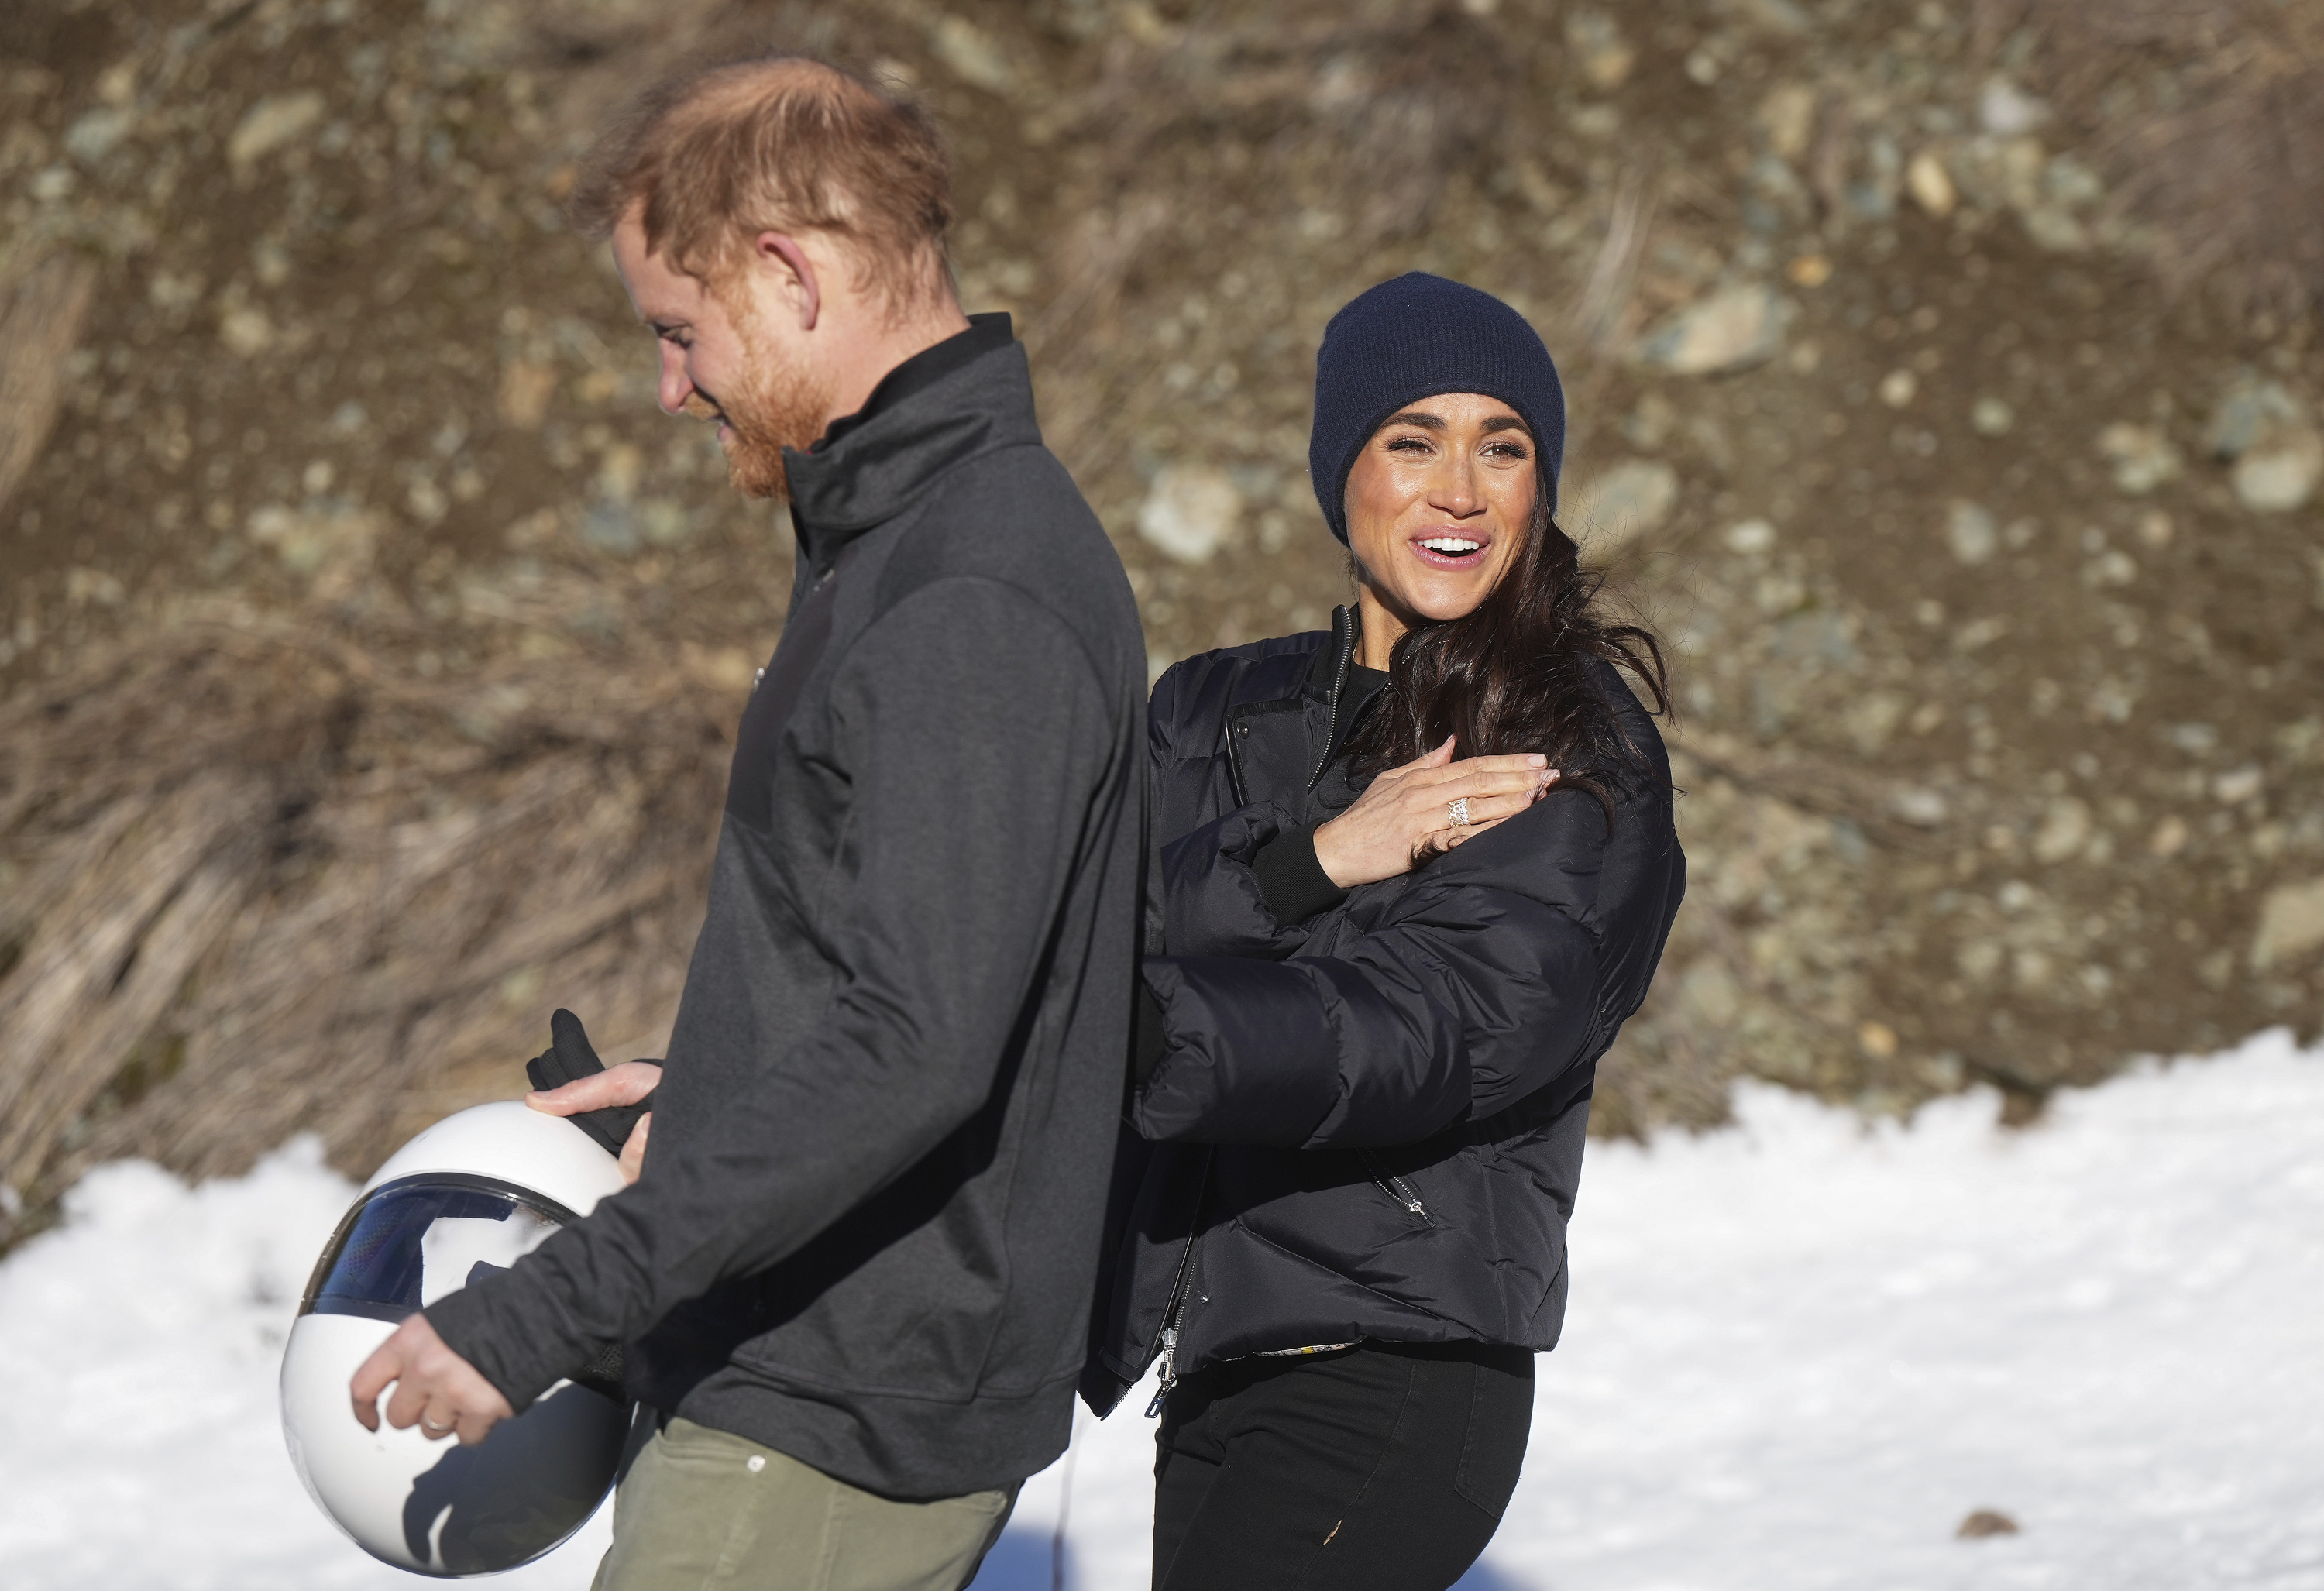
(925, 369)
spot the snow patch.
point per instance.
(1799, 1352)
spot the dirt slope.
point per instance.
(1989, 551)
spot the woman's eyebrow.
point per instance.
(1416, 417)
(1505, 422)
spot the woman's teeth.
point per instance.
(1452, 545)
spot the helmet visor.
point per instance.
(408, 1243)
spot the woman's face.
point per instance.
(1439, 503)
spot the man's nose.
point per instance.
(677, 387)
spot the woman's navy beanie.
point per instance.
(1415, 337)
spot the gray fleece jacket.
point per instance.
(867, 1230)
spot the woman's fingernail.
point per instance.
(1537, 759)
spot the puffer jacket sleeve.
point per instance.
(1210, 895)
(1475, 986)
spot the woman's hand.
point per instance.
(1406, 816)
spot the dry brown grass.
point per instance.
(263, 875)
(2211, 115)
(41, 308)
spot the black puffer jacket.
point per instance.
(1368, 1122)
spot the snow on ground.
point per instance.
(1799, 1352)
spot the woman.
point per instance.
(1411, 878)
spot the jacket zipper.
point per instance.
(1397, 1189)
(1177, 1306)
(1343, 636)
(1170, 1331)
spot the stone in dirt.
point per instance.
(2280, 473)
(1190, 511)
(2143, 457)
(1624, 503)
(2291, 924)
(1737, 325)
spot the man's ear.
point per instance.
(783, 266)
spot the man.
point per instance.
(854, 1270)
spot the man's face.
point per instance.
(725, 358)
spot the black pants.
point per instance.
(1382, 1467)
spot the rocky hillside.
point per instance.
(1945, 388)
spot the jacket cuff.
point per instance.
(1291, 882)
(1149, 1042)
(473, 1329)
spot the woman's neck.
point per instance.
(1377, 629)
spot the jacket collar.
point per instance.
(884, 460)
(1286, 742)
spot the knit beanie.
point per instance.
(1417, 336)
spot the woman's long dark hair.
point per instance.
(1516, 674)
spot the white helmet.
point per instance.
(476, 1190)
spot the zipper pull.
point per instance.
(1170, 1371)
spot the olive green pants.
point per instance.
(701, 1508)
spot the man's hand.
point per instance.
(435, 1388)
(624, 1084)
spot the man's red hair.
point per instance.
(718, 154)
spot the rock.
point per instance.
(525, 391)
(1877, 1040)
(1750, 538)
(1930, 185)
(1970, 531)
(2291, 924)
(973, 55)
(2280, 473)
(245, 330)
(1787, 118)
(273, 122)
(2265, 432)
(2007, 111)
(2143, 457)
(610, 528)
(316, 539)
(96, 134)
(619, 471)
(1921, 808)
(1987, 1522)
(2238, 785)
(1599, 48)
(1991, 416)
(2170, 837)
(1190, 511)
(1898, 387)
(2065, 830)
(1737, 325)
(2250, 411)
(1625, 502)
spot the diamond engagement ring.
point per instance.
(1458, 811)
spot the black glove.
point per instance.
(569, 1055)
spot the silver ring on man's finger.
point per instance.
(1458, 811)
(432, 1428)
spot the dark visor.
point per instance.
(377, 1263)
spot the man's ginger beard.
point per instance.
(776, 402)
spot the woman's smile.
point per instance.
(1445, 548)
